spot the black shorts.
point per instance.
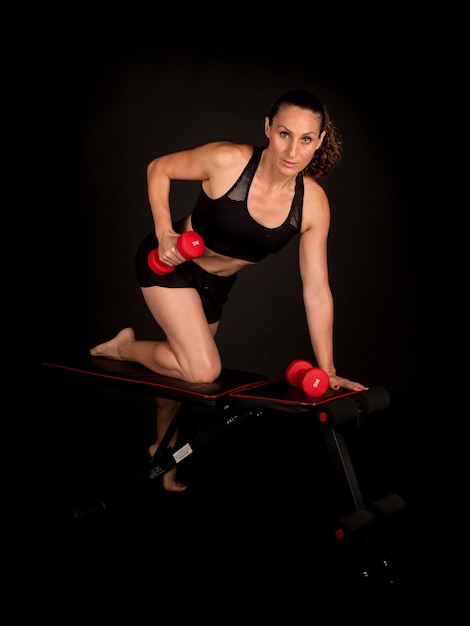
(212, 289)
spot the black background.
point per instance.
(118, 99)
(114, 93)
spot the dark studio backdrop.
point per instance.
(123, 98)
(119, 101)
(116, 98)
(111, 100)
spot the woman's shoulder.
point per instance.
(227, 153)
(316, 201)
(224, 161)
(313, 189)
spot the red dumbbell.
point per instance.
(189, 244)
(312, 380)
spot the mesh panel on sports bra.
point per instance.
(239, 191)
(294, 218)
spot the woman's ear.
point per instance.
(266, 126)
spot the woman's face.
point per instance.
(293, 137)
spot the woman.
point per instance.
(252, 202)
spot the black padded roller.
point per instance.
(388, 506)
(353, 523)
(338, 412)
(372, 400)
(362, 519)
(354, 407)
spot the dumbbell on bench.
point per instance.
(312, 380)
(189, 244)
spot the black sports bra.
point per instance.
(227, 227)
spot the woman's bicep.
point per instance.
(313, 260)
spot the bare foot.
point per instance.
(110, 349)
(171, 484)
(169, 479)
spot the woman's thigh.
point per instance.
(180, 315)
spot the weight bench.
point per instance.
(238, 395)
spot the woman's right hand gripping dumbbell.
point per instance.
(189, 244)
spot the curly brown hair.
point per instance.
(330, 152)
